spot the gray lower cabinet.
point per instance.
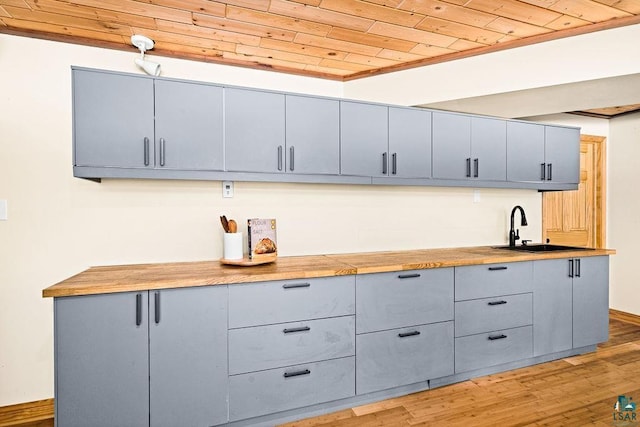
(102, 360)
(364, 139)
(590, 300)
(571, 303)
(127, 121)
(398, 357)
(133, 360)
(254, 130)
(466, 147)
(266, 392)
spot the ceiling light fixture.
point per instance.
(145, 43)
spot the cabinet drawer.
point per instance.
(403, 356)
(489, 349)
(403, 298)
(490, 314)
(490, 280)
(284, 344)
(265, 392)
(266, 303)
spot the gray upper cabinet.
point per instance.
(102, 360)
(364, 130)
(562, 154)
(539, 153)
(113, 120)
(525, 152)
(188, 126)
(409, 153)
(188, 356)
(312, 135)
(254, 131)
(126, 121)
(466, 147)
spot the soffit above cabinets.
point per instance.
(331, 39)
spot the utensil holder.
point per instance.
(233, 246)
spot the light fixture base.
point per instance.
(141, 42)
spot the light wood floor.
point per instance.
(576, 391)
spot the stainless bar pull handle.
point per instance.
(497, 302)
(156, 301)
(279, 157)
(570, 268)
(409, 334)
(394, 163)
(297, 373)
(542, 174)
(468, 167)
(408, 276)
(497, 337)
(549, 172)
(146, 151)
(138, 309)
(300, 329)
(384, 163)
(502, 267)
(291, 156)
(296, 285)
(577, 268)
(162, 144)
(476, 162)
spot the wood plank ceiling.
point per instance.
(333, 39)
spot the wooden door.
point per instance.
(577, 217)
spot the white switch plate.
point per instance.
(3, 210)
(476, 196)
(227, 188)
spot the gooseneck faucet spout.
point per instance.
(513, 233)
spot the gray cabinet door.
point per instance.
(312, 135)
(254, 130)
(409, 143)
(590, 300)
(562, 154)
(552, 307)
(364, 144)
(101, 360)
(188, 356)
(488, 149)
(451, 146)
(112, 120)
(525, 151)
(188, 126)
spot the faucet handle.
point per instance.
(517, 234)
(525, 241)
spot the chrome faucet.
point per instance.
(515, 234)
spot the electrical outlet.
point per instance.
(227, 189)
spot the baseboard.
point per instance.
(29, 414)
(624, 316)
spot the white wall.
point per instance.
(59, 225)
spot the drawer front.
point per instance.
(404, 298)
(266, 392)
(490, 280)
(489, 349)
(284, 344)
(264, 303)
(490, 314)
(403, 356)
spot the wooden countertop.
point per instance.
(141, 277)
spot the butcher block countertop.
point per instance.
(142, 277)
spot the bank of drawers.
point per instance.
(404, 328)
(493, 315)
(291, 344)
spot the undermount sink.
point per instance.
(542, 247)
